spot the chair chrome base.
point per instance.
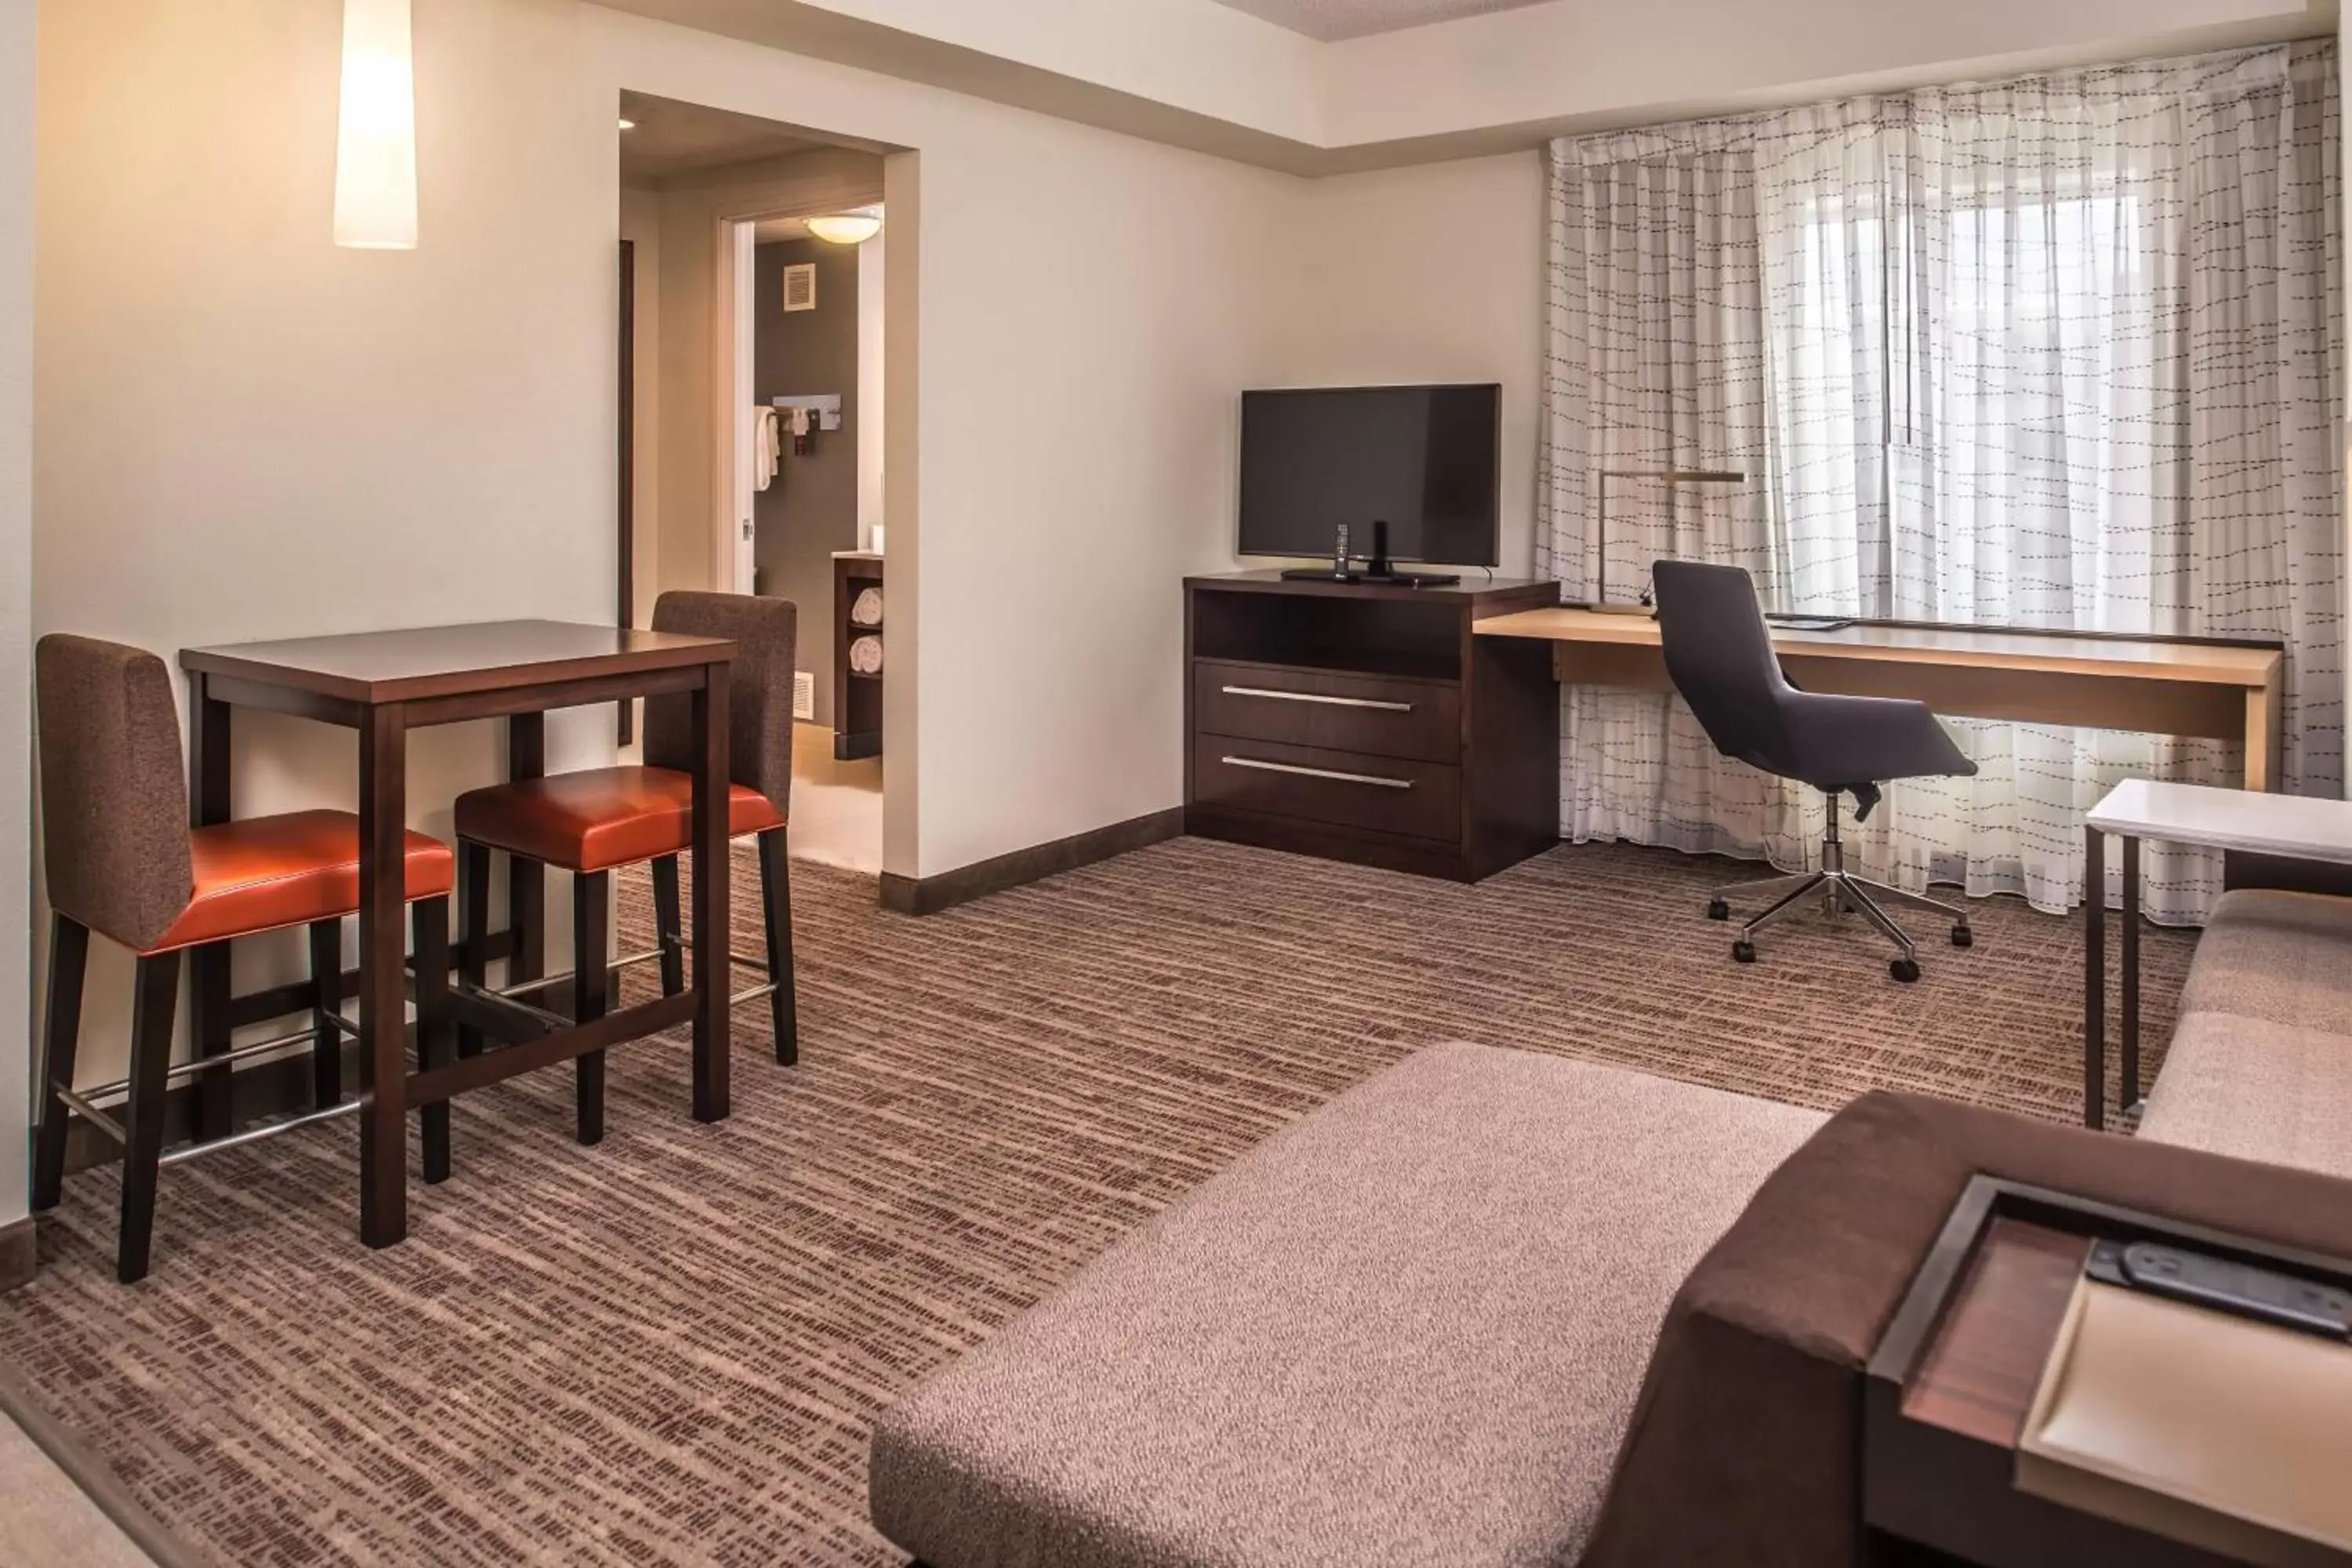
(1839, 891)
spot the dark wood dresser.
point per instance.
(1363, 722)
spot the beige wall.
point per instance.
(1090, 306)
(1059, 434)
(1428, 274)
(245, 432)
(324, 438)
(15, 584)
(248, 433)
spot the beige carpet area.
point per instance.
(667, 1349)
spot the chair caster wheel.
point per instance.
(1963, 937)
(1719, 910)
(1743, 952)
(1903, 968)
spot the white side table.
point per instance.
(2293, 827)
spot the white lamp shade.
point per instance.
(846, 228)
(375, 142)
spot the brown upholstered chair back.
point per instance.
(759, 718)
(114, 788)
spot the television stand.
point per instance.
(1361, 721)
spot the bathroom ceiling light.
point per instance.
(846, 228)
(375, 139)
(628, 125)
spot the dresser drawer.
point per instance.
(1330, 711)
(1340, 789)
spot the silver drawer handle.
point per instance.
(1319, 696)
(1317, 772)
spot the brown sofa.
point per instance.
(1491, 1309)
(2261, 1061)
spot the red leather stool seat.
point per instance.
(598, 818)
(266, 872)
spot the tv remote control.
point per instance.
(2236, 1288)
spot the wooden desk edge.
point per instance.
(2263, 674)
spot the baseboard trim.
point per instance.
(18, 1256)
(99, 1484)
(929, 895)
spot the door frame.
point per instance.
(732, 357)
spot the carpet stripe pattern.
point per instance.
(666, 1350)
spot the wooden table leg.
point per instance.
(712, 934)
(473, 930)
(428, 919)
(2263, 734)
(2094, 979)
(592, 953)
(526, 879)
(2130, 1095)
(209, 802)
(384, 1021)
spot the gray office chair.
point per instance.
(1719, 652)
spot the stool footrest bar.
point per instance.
(265, 1129)
(563, 976)
(748, 960)
(94, 1116)
(512, 1007)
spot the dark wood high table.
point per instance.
(382, 685)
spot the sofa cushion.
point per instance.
(2256, 1089)
(1409, 1329)
(2285, 958)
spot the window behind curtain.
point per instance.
(2064, 351)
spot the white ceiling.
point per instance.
(667, 138)
(1331, 20)
(1218, 80)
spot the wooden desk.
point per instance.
(2218, 690)
(382, 685)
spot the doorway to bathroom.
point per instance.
(755, 423)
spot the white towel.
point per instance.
(767, 447)
(866, 656)
(867, 610)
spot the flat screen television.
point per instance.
(1425, 461)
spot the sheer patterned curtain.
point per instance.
(2062, 353)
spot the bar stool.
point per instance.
(122, 861)
(594, 822)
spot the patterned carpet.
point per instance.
(666, 1350)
